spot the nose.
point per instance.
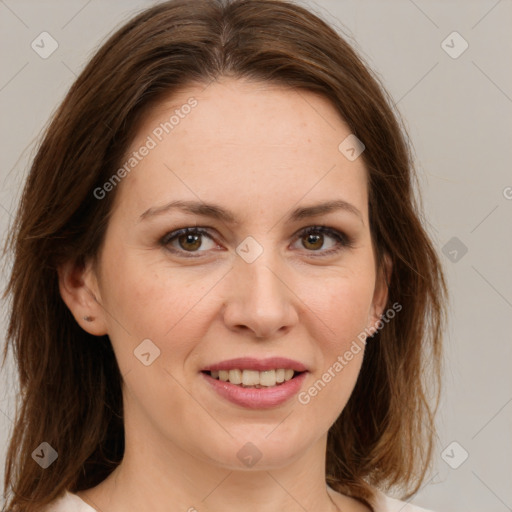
(259, 300)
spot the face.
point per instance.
(262, 276)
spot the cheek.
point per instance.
(342, 305)
(163, 304)
(340, 317)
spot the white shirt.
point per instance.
(72, 503)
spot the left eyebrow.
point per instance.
(324, 208)
(217, 212)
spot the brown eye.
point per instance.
(323, 240)
(313, 242)
(190, 242)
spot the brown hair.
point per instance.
(70, 384)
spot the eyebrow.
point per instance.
(217, 212)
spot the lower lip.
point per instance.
(257, 398)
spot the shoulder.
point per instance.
(384, 503)
(69, 502)
(380, 503)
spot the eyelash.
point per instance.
(343, 241)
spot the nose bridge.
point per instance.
(264, 284)
(259, 300)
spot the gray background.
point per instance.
(458, 113)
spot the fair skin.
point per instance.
(259, 151)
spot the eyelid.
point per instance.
(183, 231)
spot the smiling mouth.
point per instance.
(254, 378)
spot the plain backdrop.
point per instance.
(454, 91)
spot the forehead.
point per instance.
(247, 139)
(252, 112)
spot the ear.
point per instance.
(78, 288)
(380, 295)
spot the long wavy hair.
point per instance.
(70, 384)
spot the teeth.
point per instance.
(268, 378)
(235, 376)
(254, 378)
(250, 377)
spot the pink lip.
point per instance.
(257, 398)
(250, 363)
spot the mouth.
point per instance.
(253, 378)
(256, 383)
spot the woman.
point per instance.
(222, 293)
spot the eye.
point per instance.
(188, 240)
(313, 238)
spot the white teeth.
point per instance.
(250, 377)
(268, 378)
(235, 376)
(254, 378)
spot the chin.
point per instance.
(251, 449)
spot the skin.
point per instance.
(260, 151)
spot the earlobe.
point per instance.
(79, 290)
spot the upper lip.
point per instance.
(251, 363)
